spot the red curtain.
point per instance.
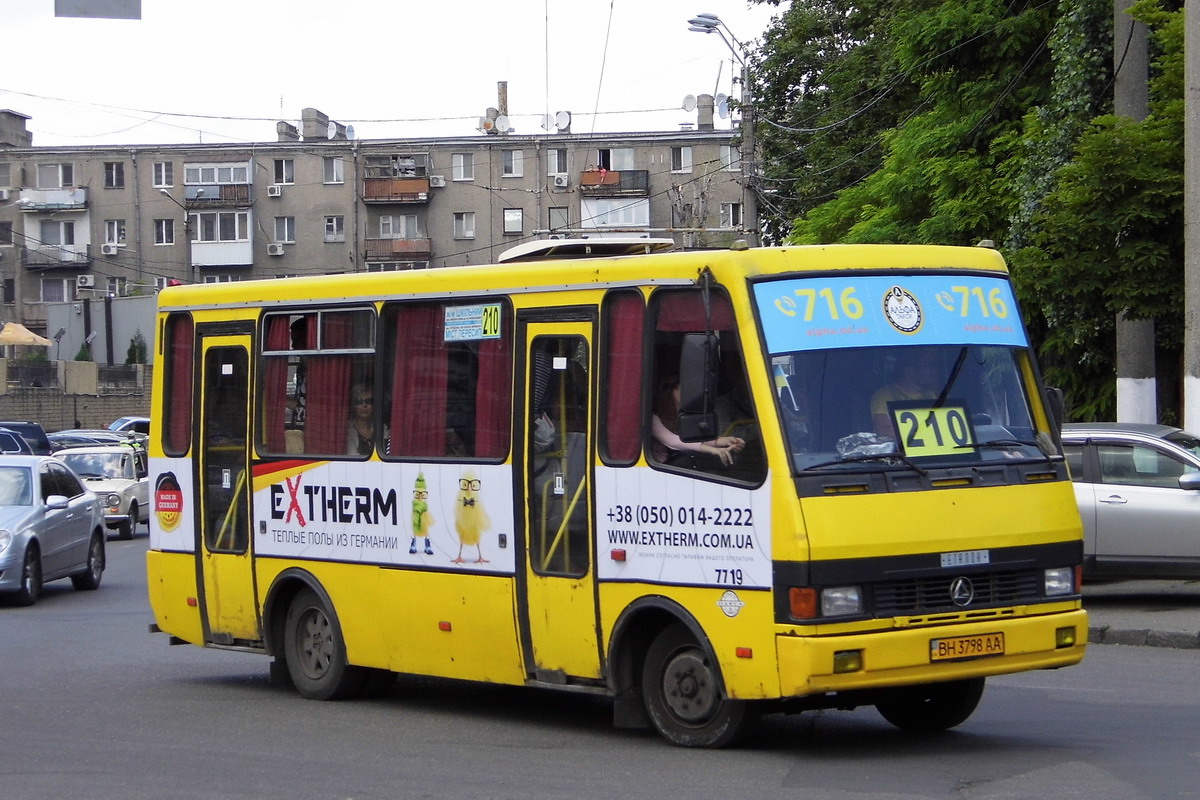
(418, 418)
(624, 323)
(684, 311)
(178, 396)
(493, 397)
(275, 384)
(327, 410)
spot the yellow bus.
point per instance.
(704, 484)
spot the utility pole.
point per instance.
(1191, 219)
(1137, 397)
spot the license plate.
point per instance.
(953, 648)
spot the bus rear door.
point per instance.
(224, 552)
(558, 608)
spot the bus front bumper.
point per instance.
(910, 656)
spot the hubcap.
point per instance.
(315, 640)
(689, 687)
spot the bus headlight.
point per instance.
(1060, 581)
(841, 601)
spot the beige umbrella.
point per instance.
(16, 333)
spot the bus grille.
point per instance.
(923, 595)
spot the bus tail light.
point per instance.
(802, 602)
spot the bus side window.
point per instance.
(677, 313)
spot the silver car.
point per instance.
(51, 527)
(118, 476)
(1138, 490)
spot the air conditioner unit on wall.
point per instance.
(437, 181)
(274, 249)
(85, 281)
(275, 190)
(561, 181)
(108, 249)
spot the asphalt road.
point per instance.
(94, 706)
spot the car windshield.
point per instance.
(99, 465)
(1185, 440)
(15, 487)
(905, 407)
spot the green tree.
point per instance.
(136, 354)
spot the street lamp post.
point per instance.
(711, 23)
(187, 230)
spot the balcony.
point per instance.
(408, 189)
(399, 249)
(50, 200)
(50, 256)
(217, 195)
(606, 183)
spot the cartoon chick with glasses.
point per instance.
(422, 520)
(470, 518)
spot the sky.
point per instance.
(217, 71)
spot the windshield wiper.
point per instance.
(1005, 444)
(871, 457)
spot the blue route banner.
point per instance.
(885, 311)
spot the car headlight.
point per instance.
(5, 540)
(840, 601)
(114, 501)
(1060, 581)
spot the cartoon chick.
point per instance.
(470, 518)
(422, 520)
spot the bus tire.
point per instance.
(681, 687)
(934, 707)
(315, 652)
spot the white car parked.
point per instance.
(118, 476)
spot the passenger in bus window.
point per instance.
(360, 433)
(664, 425)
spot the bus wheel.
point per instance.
(682, 691)
(315, 652)
(934, 707)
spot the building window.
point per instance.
(285, 229)
(560, 218)
(731, 158)
(335, 228)
(285, 170)
(216, 173)
(164, 231)
(164, 174)
(513, 221)
(614, 212)
(114, 231)
(56, 233)
(614, 159)
(55, 176)
(556, 161)
(681, 159)
(731, 215)
(463, 166)
(396, 266)
(464, 225)
(221, 226)
(117, 287)
(114, 174)
(57, 290)
(5, 175)
(335, 169)
(222, 278)
(512, 164)
(161, 282)
(6, 234)
(401, 226)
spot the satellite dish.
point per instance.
(689, 103)
(349, 131)
(562, 120)
(502, 123)
(331, 131)
(722, 106)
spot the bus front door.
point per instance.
(558, 612)
(224, 552)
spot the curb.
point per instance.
(1144, 637)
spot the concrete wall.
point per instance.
(124, 316)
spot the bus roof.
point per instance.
(584, 248)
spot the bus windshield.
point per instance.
(930, 404)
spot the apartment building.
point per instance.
(120, 220)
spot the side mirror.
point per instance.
(1057, 406)
(57, 501)
(1189, 480)
(699, 363)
